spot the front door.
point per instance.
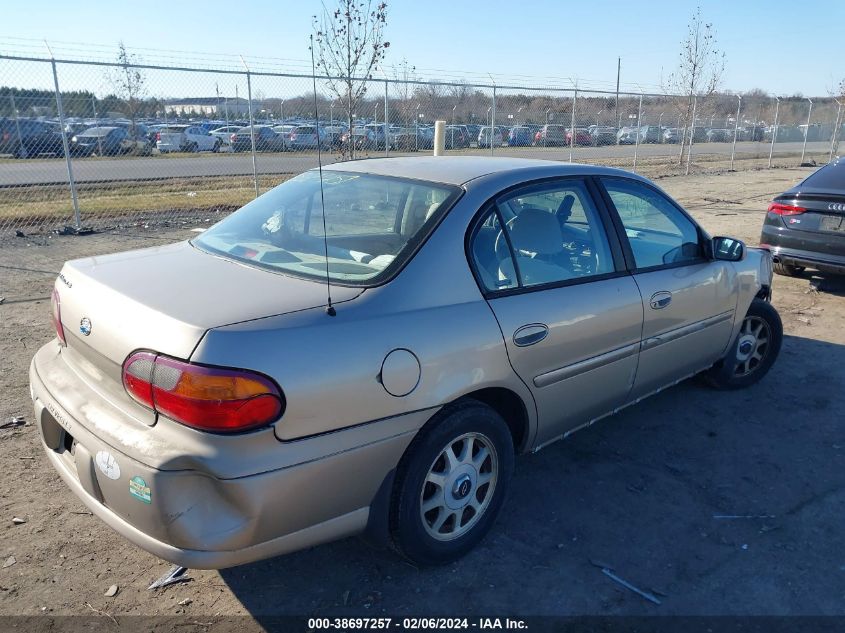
(689, 300)
(570, 315)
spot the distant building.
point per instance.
(207, 106)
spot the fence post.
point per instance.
(835, 131)
(252, 125)
(572, 125)
(807, 131)
(386, 124)
(691, 133)
(775, 130)
(639, 128)
(493, 122)
(736, 129)
(77, 223)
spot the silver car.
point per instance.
(372, 363)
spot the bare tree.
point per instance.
(699, 70)
(350, 46)
(129, 84)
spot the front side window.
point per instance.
(552, 233)
(659, 233)
(373, 225)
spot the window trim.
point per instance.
(620, 268)
(619, 227)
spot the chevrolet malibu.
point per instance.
(365, 352)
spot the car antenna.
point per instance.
(329, 308)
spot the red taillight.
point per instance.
(56, 316)
(233, 138)
(158, 136)
(205, 398)
(785, 209)
(292, 136)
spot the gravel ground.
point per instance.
(638, 492)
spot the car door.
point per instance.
(689, 299)
(570, 314)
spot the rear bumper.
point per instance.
(197, 520)
(800, 251)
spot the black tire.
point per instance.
(217, 145)
(787, 270)
(192, 148)
(22, 152)
(410, 535)
(739, 370)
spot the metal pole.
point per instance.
(572, 125)
(774, 130)
(639, 129)
(618, 72)
(546, 131)
(835, 131)
(736, 129)
(660, 128)
(807, 131)
(74, 200)
(691, 133)
(252, 129)
(94, 106)
(493, 122)
(386, 125)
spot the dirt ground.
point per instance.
(640, 492)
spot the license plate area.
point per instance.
(832, 223)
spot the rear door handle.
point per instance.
(530, 334)
(660, 300)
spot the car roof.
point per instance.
(458, 170)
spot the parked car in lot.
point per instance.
(520, 136)
(361, 138)
(602, 135)
(626, 136)
(489, 135)
(805, 225)
(305, 137)
(225, 133)
(266, 140)
(717, 135)
(186, 138)
(233, 412)
(671, 135)
(456, 137)
(100, 141)
(582, 136)
(25, 138)
(551, 136)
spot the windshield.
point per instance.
(373, 225)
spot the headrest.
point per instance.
(536, 231)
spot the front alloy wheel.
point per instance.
(752, 346)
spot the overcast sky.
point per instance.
(783, 47)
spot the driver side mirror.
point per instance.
(728, 249)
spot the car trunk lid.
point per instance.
(165, 299)
(824, 213)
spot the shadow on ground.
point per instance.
(643, 492)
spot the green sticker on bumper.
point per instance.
(139, 489)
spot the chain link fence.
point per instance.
(93, 144)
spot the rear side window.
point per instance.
(659, 234)
(552, 233)
(831, 176)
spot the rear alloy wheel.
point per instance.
(756, 348)
(451, 484)
(787, 270)
(217, 145)
(21, 152)
(192, 148)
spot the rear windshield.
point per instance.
(831, 176)
(305, 130)
(373, 225)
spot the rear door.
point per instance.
(570, 314)
(689, 300)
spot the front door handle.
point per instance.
(660, 300)
(530, 334)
